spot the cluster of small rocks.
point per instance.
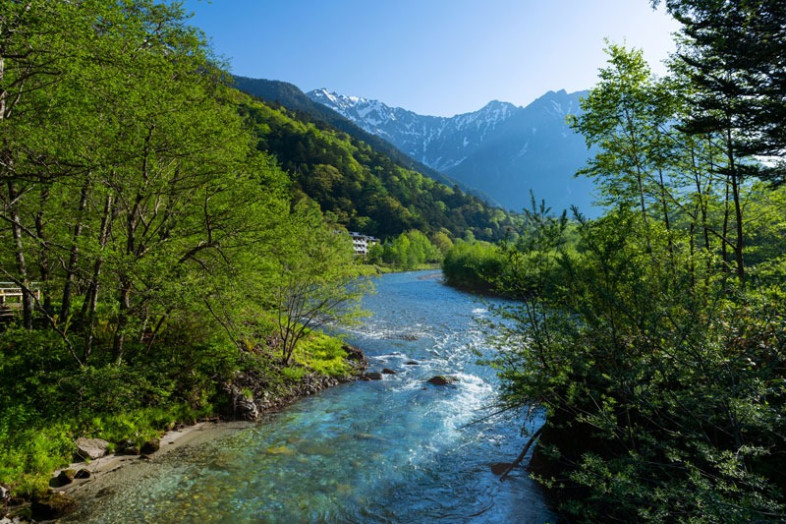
(437, 380)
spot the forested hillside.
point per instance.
(364, 189)
(277, 93)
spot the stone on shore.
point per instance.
(83, 474)
(151, 446)
(353, 353)
(51, 505)
(66, 477)
(90, 448)
(127, 448)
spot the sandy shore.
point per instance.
(114, 469)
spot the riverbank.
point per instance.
(390, 450)
(249, 396)
(384, 269)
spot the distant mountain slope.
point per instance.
(291, 97)
(501, 149)
(364, 189)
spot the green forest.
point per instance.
(654, 337)
(170, 244)
(363, 189)
(169, 247)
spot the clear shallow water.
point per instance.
(396, 450)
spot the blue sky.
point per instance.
(436, 57)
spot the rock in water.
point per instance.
(90, 448)
(374, 375)
(51, 505)
(440, 380)
(388, 371)
(411, 363)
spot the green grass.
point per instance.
(323, 354)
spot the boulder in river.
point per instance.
(105, 492)
(441, 380)
(388, 371)
(51, 505)
(90, 448)
(374, 375)
(411, 363)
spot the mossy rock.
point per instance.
(63, 478)
(66, 476)
(51, 505)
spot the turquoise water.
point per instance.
(395, 450)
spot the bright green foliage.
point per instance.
(323, 354)
(473, 266)
(312, 276)
(673, 388)
(653, 337)
(410, 250)
(168, 247)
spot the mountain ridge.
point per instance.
(502, 149)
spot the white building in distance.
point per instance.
(362, 242)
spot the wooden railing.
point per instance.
(11, 294)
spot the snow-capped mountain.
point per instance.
(502, 149)
(438, 142)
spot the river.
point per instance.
(395, 450)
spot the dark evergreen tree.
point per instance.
(735, 55)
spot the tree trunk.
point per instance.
(73, 256)
(124, 304)
(91, 298)
(43, 249)
(735, 189)
(21, 265)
